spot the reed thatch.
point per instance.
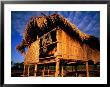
(38, 26)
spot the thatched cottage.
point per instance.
(54, 40)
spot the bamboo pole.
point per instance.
(76, 70)
(28, 69)
(72, 68)
(43, 73)
(57, 68)
(87, 69)
(35, 70)
(24, 71)
(48, 70)
(62, 71)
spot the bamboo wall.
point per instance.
(70, 48)
(32, 55)
(67, 48)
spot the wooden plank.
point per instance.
(71, 63)
(24, 71)
(81, 52)
(28, 70)
(59, 38)
(48, 70)
(64, 45)
(62, 71)
(57, 67)
(76, 70)
(72, 49)
(67, 46)
(43, 73)
(35, 70)
(87, 69)
(32, 55)
(84, 52)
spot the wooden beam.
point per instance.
(48, 33)
(43, 73)
(72, 68)
(24, 71)
(62, 71)
(35, 70)
(48, 70)
(76, 70)
(87, 69)
(71, 63)
(57, 67)
(28, 70)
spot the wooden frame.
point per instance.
(40, 2)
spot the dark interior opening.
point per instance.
(48, 45)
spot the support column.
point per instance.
(24, 71)
(62, 71)
(87, 69)
(43, 73)
(35, 70)
(76, 70)
(72, 68)
(28, 69)
(48, 70)
(57, 67)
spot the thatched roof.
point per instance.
(37, 26)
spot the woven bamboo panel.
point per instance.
(80, 51)
(84, 52)
(64, 54)
(32, 55)
(59, 44)
(70, 48)
(95, 56)
(89, 53)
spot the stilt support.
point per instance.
(43, 73)
(76, 70)
(57, 67)
(48, 70)
(24, 71)
(87, 69)
(28, 69)
(35, 70)
(62, 71)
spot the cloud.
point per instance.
(77, 18)
(94, 26)
(82, 19)
(95, 30)
(90, 23)
(84, 22)
(90, 26)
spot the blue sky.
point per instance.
(86, 21)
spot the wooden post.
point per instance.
(87, 69)
(48, 70)
(57, 67)
(35, 70)
(28, 69)
(76, 70)
(62, 71)
(72, 68)
(24, 71)
(43, 73)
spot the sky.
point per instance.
(86, 21)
